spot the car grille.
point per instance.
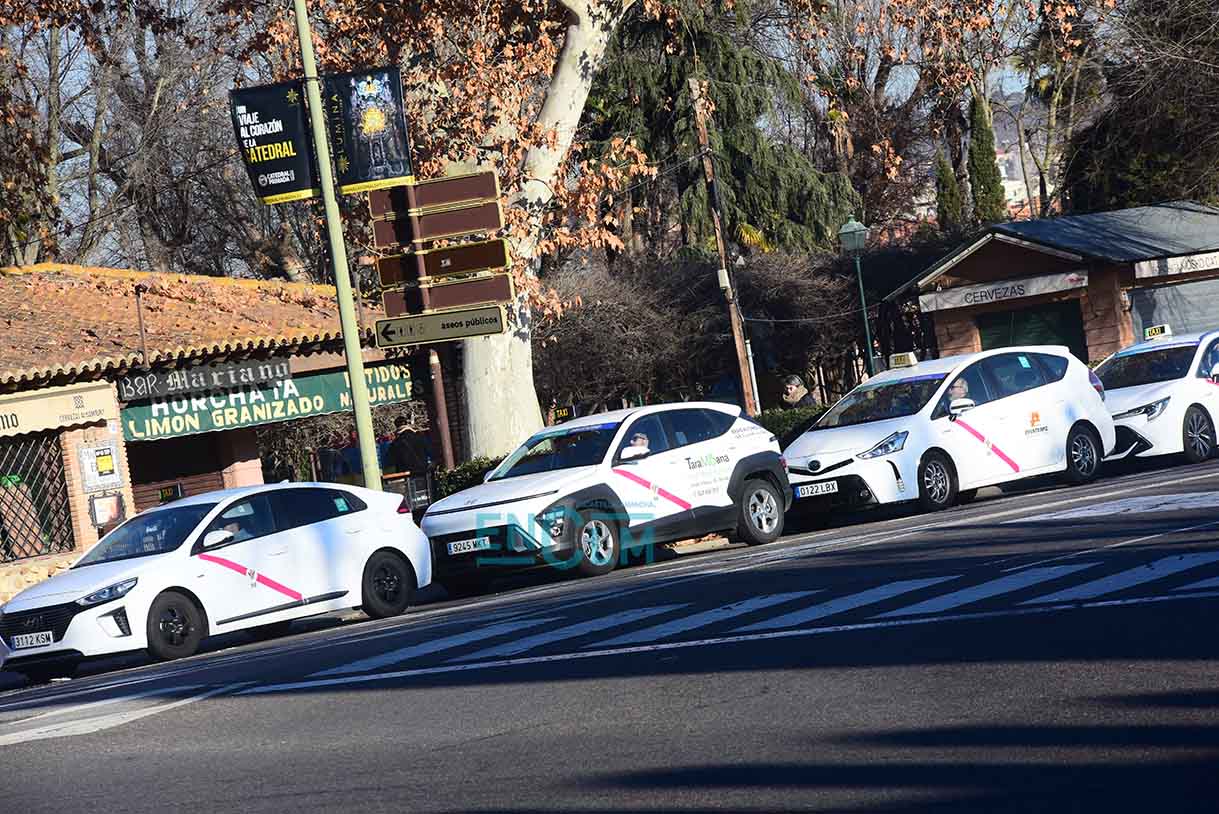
(54, 618)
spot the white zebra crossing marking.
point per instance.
(569, 632)
(699, 620)
(995, 587)
(434, 646)
(1129, 578)
(1204, 585)
(1143, 504)
(843, 604)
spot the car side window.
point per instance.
(689, 426)
(720, 422)
(302, 507)
(1054, 367)
(970, 383)
(1209, 360)
(247, 519)
(645, 436)
(1013, 373)
(345, 502)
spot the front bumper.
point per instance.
(76, 632)
(509, 547)
(859, 483)
(1139, 438)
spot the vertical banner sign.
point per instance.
(272, 131)
(367, 125)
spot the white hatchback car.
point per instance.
(218, 562)
(582, 493)
(938, 430)
(1164, 396)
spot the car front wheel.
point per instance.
(175, 627)
(937, 482)
(759, 513)
(1198, 434)
(597, 546)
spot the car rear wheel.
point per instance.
(937, 482)
(759, 513)
(1083, 455)
(388, 585)
(597, 545)
(175, 627)
(1198, 435)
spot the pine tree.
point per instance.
(773, 196)
(990, 203)
(949, 208)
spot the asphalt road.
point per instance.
(1052, 650)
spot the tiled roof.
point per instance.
(69, 321)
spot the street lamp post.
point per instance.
(854, 236)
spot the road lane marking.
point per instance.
(1143, 504)
(719, 641)
(434, 646)
(625, 617)
(1204, 585)
(843, 604)
(704, 619)
(1140, 574)
(86, 726)
(995, 587)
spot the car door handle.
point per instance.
(277, 552)
(352, 531)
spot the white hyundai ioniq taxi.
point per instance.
(936, 431)
(1164, 395)
(256, 556)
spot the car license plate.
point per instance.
(466, 546)
(828, 487)
(32, 639)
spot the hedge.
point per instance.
(463, 476)
(788, 424)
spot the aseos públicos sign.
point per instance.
(272, 129)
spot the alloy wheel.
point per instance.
(763, 511)
(175, 626)
(386, 584)
(1198, 435)
(1083, 454)
(936, 482)
(597, 542)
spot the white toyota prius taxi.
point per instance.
(1164, 395)
(256, 556)
(938, 430)
(579, 494)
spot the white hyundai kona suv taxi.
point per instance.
(1164, 396)
(581, 494)
(938, 430)
(218, 562)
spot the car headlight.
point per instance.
(110, 592)
(894, 443)
(1151, 411)
(553, 520)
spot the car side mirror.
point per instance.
(960, 406)
(217, 537)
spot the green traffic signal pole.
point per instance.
(338, 256)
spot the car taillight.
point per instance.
(405, 506)
(1097, 384)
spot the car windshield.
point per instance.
(156, 532)
(558, 449)
(882, 400)
(1133, 368)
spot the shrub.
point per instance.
(463, 476)
(788, 424)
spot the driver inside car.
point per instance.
(638, 446)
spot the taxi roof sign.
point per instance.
(1156, 331)
(907, 359)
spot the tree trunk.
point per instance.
(501, 401)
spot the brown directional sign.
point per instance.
(440, 327)
(410, 269)
(489, 288)
(486, 217)
(435, 194)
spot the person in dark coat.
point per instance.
(795, 394)
(408, 451)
